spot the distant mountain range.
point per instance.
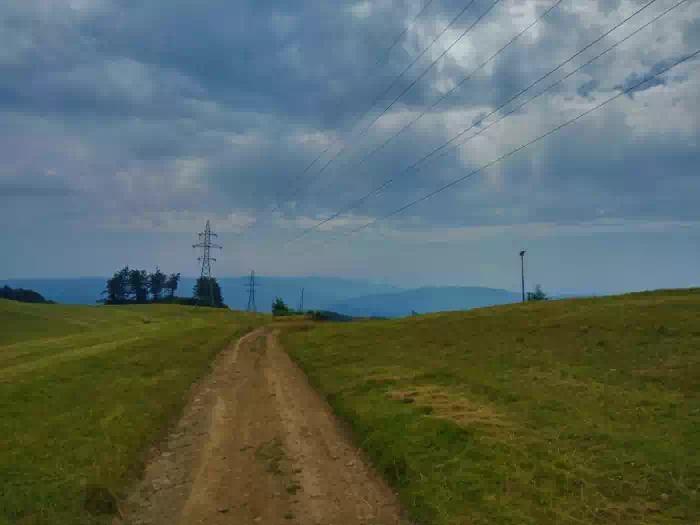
(423, 300)
(351, 297)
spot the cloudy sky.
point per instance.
(126, 125)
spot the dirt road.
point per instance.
(257, 446)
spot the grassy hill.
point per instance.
(84, 391)
(568, 412)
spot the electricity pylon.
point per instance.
(251, 284)
(206, 258)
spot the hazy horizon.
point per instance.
(529, 285)
(356, 298)
(387, 286)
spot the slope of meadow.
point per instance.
(85, 391)
(566, 412)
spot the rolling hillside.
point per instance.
(580, 411)
(85, 392)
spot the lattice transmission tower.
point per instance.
(206, 258)
(251, 284)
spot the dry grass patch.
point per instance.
(454, 407)
(392, 375)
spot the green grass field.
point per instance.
(84, 393)
(567, 412)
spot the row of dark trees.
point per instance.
(138, 286)
(22, 295)
(131, 286)
(280, 308)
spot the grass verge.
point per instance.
(85, 392)
(563, 412)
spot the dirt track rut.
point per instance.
(256, 446)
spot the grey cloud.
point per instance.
(691, 33)
(585, 89)
(240, 55)
(649, 179)
(144, 86)
(13, 191)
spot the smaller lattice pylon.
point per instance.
(251, 284)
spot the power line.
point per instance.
(387, 141)
(378, 62)
(418, 163)
(452, 90)
(413, 83)
(396, 40)
(308, 184)
(415, 165)
(512, 152)
(403, 33)
(464, 33)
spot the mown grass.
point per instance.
(85, 392)
(568, 412)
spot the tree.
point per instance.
(537, 295)
(171, 283)
(117, 289)
(113, 290)
(156, 283)
(124, 278)
(207, 292)
(130, 285)
(138, 285)
(279, 308)
(125, 286)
